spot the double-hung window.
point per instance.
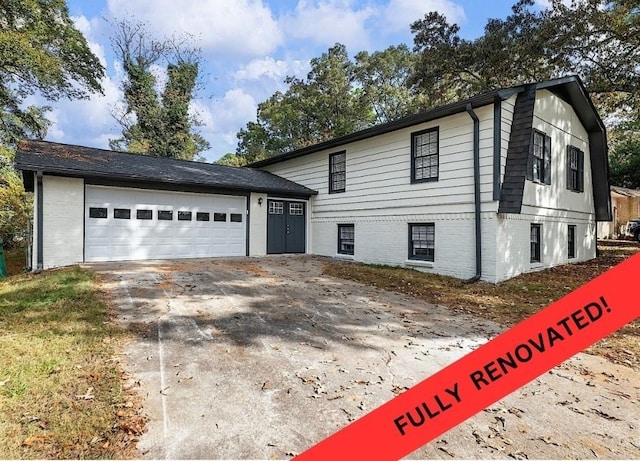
(539, 165)
(536, 243)
(424, 155)
(346, 238)
(337, 172)
(422, 239)
(575, 169)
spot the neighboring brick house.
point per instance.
(625, 204)
(502, 183)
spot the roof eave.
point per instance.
(26, 167)
(405, 122)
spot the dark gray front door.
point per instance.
(286, 222)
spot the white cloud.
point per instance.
(88, 27)
(86, 122)
(222, 27)
(400, 14)
(274, 69)
(326, 22)
(222, 119)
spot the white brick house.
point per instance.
(408, 193)
(502, 183)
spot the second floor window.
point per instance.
(424, 155)
(575, 169)
(337, 172)
(539, 165)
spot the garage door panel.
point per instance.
(144, 236)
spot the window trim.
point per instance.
(339, 250)
(410, 255)
(572, 249)
(332, 158)
(414, 135)
(579, 183)
(545, 176)
(535, 255)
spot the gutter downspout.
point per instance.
(476, 192)
(39, 223)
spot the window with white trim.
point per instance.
(276, 208)
(296, 209)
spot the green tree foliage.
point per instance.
(157, 121)
(599, 40)
(384, 79)
(624, 163)
(15, 206)
(41, 52)
(338, 97)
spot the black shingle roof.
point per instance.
(518, 152)
(99, 164)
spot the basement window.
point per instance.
(220, 217)
(422, 241)
(346, 239)
(144, 214)
(571, 242)
(97, 212)
(536, 243)
(236, 217)
(122, 213)
(184, 216)
(201, 216)
(165, 215)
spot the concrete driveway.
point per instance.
(262, 358)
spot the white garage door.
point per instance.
(126, 224)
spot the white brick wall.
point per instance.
(63, 221)
(514, 251)
(258, 225)
(385, 240)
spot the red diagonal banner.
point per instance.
(490, 372)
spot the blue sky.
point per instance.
(249, 47)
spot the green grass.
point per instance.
(61, 393)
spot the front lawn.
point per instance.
(61, 387)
